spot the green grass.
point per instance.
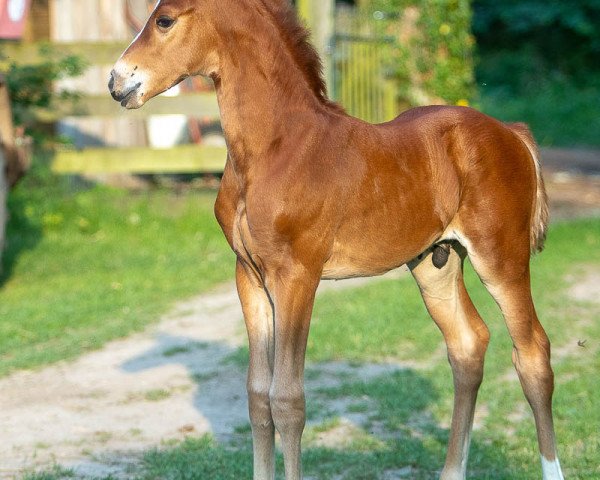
(407, 412)
(87, 265)
(386, 321)
(55, 473)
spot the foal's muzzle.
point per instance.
(124, 89)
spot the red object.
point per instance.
(12, 18)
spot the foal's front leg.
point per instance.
(293, 292)
(258, 314)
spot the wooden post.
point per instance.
(7, 133)
(318, 16)
(3, 184)
(16, 155)
(3, 208)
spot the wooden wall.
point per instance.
(93, 21)
(88, 20)
(37, 26)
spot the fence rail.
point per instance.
(201, 105)
(138, 160)
(93, 52)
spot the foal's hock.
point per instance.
(309, 192)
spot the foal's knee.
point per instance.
(288, 410)
(260, 408)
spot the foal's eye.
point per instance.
(165, 22)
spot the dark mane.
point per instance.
(296, 38)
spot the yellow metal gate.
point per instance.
(362, 51)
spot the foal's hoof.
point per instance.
(440, 256)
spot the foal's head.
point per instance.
(191, 37)
(180, 39)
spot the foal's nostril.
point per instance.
(111, 82)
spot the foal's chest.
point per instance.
(245, 245)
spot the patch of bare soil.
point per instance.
(573, 182)
(179, 378)
(587, 287)
(573, 196)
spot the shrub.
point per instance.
(434, 61)
(31, 87)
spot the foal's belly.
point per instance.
(394, 215)
(338, 268)
(369, 254)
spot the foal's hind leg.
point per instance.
(505, 273)
(466, 337)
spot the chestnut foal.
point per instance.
(310, 192)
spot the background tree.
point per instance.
(539, 62)
(435, 57)
(523, 42)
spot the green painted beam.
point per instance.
(201, 105)
(180, 159)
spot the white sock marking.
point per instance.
(551, 469)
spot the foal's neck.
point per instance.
(264, 97)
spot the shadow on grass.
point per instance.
(22, 234)
(414, 442)
(36, 201)
(400, 437)
(219, 394)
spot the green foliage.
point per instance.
(436, 62)
(197, 459)
(56, 473)
(31, 86)
(524, 41)
(539, 62)
(558, 111)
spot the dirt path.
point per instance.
(178, 378)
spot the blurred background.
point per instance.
(529, 61)
(106, 215)
(65, 141)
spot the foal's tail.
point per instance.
(540, 217)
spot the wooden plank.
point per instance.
(104, 132)
(199, 105)
(37, 26)
(7, 131)
(98, 53)
(68, 17)
(181, 159)
(93, 81)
